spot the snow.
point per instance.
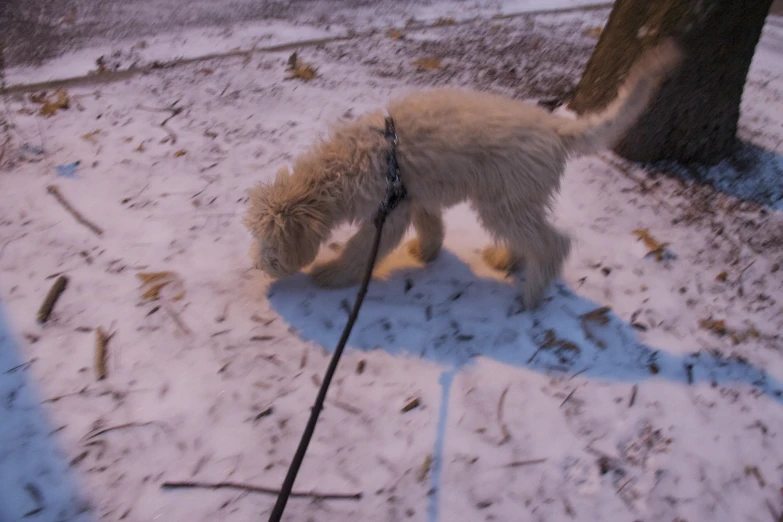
(324, 22)
(638, 412)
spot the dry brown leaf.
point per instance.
(180, 152)
(394, 34)
(594, 32)
(657, 249)
(58, 100)
(427, 63)
(722, 277)
(128, 139)
(599, 315)
(140, 148)
(206, 71)
(302, 71)
(716, 326)
(153, 282)
(90, 136)
(425, 468)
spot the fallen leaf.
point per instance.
(594, 32)
(716, 326)
(153, 282)
(722, 277)
(394, 34)
(206, 71)
(90, 136)
(300, 70)
(180, 152)
(657, 249)
(599, 315)
(140, 148)
(58, 100)
(128, 139)
(427, 63)
(425, 468)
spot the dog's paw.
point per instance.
(425, 255)
(499, 258)
(333, 275)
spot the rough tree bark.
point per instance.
(694, 117)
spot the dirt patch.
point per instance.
(540, 57)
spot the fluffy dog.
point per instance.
(504, 156)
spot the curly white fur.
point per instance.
(504, 156)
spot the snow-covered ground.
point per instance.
(650, 409)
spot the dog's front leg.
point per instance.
(347, 268)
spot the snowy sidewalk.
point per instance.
(648, 387)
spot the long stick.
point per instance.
(55, 191)
(260, 489)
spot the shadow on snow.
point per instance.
(447, 314)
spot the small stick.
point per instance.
(178, 320)
(634, 391)
(122, 427)
(569, 397)
(51, 298)
(503, 427)
(260, 489)
(521, 463)
(101, 340)
(55, 191)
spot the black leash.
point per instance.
(395, 192)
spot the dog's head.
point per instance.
(288, 222)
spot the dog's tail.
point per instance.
(589, 134)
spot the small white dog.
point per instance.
(504, 156)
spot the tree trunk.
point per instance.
(694, 117)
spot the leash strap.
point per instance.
(395, 192)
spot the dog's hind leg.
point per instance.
(545, 248)
(429, 234)
(348, 267)
(500, 257)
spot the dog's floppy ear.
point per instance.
(282, 176)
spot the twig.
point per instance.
(55, 191)
(580, 372)
(101, 340)
(503, 427)
(739, 278)
(122, 427)
(177, 319)
(521, 463)
(51, 298)
(568, 397)
(260, 489)
(171, 133)
(22, 366)
(174, 112)
(634, 391)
